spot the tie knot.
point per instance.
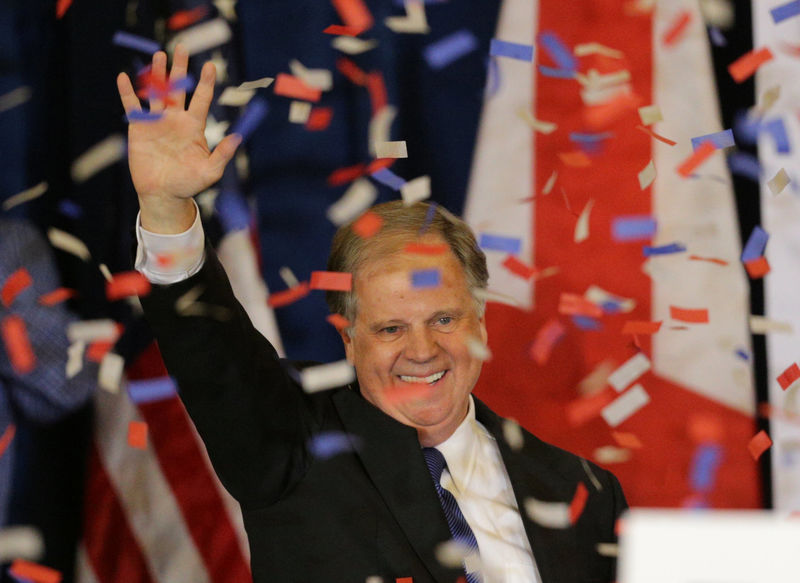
(436, 462)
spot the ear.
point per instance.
(484, 333)
(348, 345)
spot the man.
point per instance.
(419, 462)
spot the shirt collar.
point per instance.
(460, 450)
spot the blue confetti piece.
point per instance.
(744, 164)
(142, 115)
(777, 130)
(501, 48)
(611, 307)
(428, 218)
(70, 208)
(426, 278)
(558, 51)
(756, 243)
(590, 138)
(444, 51)
(663, 249)
(743, 354)
(784, 11)
(556, 73)
(723, 139)
(586, 323)
(233, 211)
(327, 444)
(150, 390)
(250, 119)
(137, 43)
(183, 84)
(705, 463)
(633, 228)
(490, 242)
(388, 178)
(717, 38)
(493, 80)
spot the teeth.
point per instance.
(430, 379)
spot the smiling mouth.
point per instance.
(428, 380)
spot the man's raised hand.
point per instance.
(169, 157)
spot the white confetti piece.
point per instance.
(352, 45)
(452, 553)
(611, 454)
(629, 371)
(513, 435)
(597, 81)
(69, 243)
(91, 330)
(414, 22)
(478, 349)
(202, 37)
(647, 175)
(608, 549)
(768, 99)
(625, 405)
(548, 514)
(719, 13)
(25, 196)
(74, 358)
(262, 83)
(299, 111)
(416, 190)
(236, 96)
(548, 186)
(288, 277)
(374, 579)
(586, 49)
(599, 296)
(582, 226)
(391, 149)
(327, 376)
(763, 325)
(102, 155)
(380, 126)
(650, 114)
(15, 98)
(110, 373)
(20, 542)
(321, 79)
(544, 127)
(356, 199)
(215, 132)
(779, 182)
(105, 271)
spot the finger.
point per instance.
(180, 65)
(222, 154)
(159, 80)
(126, 93)
(203, 93)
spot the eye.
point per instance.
(445, 320)
(390, 330)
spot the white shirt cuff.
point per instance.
(166, 259)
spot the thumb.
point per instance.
(223, 153)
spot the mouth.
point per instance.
(428, 380)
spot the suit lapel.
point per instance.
(393, 460)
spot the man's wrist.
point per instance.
(167, 216)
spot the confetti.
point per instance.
(518, 268)
(251, 118)
(669, 249)
(290, 86)
(319, 119)
(15, 284)
(762, 325)
(353, 46)
(544, 127)
(357, 198)
(339, 29)
(756, 244)
(184, 18)
(546, 338)
(137, 43)
(491, 242)
(548, 514)
(15, 98)
(137, 434)
(236, 96)
(789, 376)
(350, 70)
(327, 376)
(629, 371)
(416, 190)
(640, 327)
(757, 268)
(658, 137)
(354, 14)
(575, 159)
(202, 37)
(582, 225)
(784, 11)
(380, 127)
(633, 228)
(558, 51)
(578, 503)
(609, 112)
(100, 156)
(650, 114)
(338, 321)
(20, 542)
(628, 440)
(125, 284)
(625, 405)
(696, 316)
(367, 225)
(91, 330)
(262, 83)
(744, 67)
(331, 280)
(424, 278)
(18, 346)
(391, 150)
(609, 454)
(327, 444)
(777, 129)
(450, 48)
(110, 372)
(696, 159)
(512, 433)
(705, 462)
(74, 358)
(581, 410)
(759, 444)
(389, 178)
(33, 572)
(288, 296)
(723, 139)
(778, 182)
(677, 29)
(143, 116)
(152, 390)
(61, 8)
(609, 302)
(414, 22)
(6, 438)
(647, 175)
(586, 49)
(709, 259)
(501, 48)
(299, 111)
(25, 196)
(573, 304)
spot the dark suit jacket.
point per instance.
(371, 511)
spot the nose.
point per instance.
(420, 345)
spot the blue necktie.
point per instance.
(459, 528)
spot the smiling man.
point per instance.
(422, 485)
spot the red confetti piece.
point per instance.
(518, 268)
(28, 571)
(125, 284)
(354, 13)
(746, 65)
(677, 29)
(426, 249)
(576, 159)
(137, 434)
(289, 296)
(290, 86)
(340, 30)
(576, 305)
(347, 174)
(404, 580)
(710, 259)
(18, 346)
(599, 116)
(546, 338)
(628, 440)
(6, 438)
(186, 18)
(367, 225)
(659, 137)
(696, 158)
(331, 280)
(640, 327)
(98, 349)
(56, 296)
(759, 444)
(696, 316)
(352, 71)
(705, 429)
(377, 91)
(757, 268)
(14, 285)
(789, 376)
(319, 119)
(578, 502)
(338, 321)
(378, 164)
(61, 8)
(581, 410)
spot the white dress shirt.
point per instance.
(475, 473)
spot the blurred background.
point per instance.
(628, 166)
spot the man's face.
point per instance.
(410, 343)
